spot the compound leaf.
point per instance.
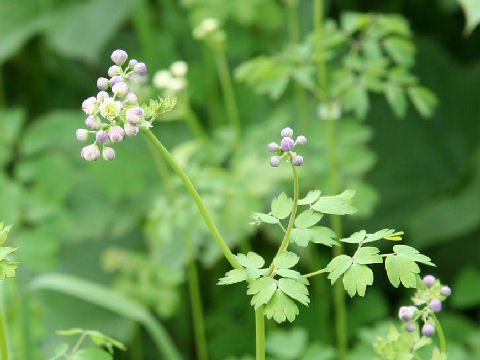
(355, 238)
(282, 206)
(286, 260)
(356, 279)
(295, 289)
(367, 255)
(281, 308)
(233, 276)
(251, 260)
(337, 205)
(307, 218)
(262, 290)
(337, 266)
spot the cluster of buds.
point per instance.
(285, 149)
(329, 111)
(174, 79)
(209, 31)
(114, 112)
(430, 296)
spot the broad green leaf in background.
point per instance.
(287, 344)
(466, 291)
(401, 50)
(110, 300)
(423, 99)
(471, 8)
(91, 354)
(396, 99)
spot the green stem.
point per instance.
(3, 339)
(441, 336)
(196, 301)
(260, 333)
(228, 93)
(291, 221)
(196, 198)
(2, 90)
(162, 170)
(294, 37)
(321, 271)
(211, 87)
(339, 295)
(192, 120)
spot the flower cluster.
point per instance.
(114, 112)
(285, 149)
(430, 297)
(174, 79)
(209, 31)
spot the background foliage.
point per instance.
(107, 223)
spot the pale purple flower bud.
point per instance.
(130, 130)
(81, 134)
(287, 144)
(108, 153)
(435, 305)
(102, 95)
(119, 56)
(120, 89)
(88, 105)
(410, 326)
(114, 70)
(132, 63)
(140, 68)
(445, 291)
(429, 280)
(134, 115)
(287, 132)
(103, 83)
(428, 330)
(101, 136)
(90, 152)
(272, 147)
(274, 161)
(297, 160)
(301, 140)
(405, 313)
(116, 133)
(116, 79)
(93, 122)
(132, 98)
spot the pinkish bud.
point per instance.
(116, 133)
(301, 140)
(287, 144)
(287, 132)
(274, 161)
(114, 70)
(131, 98)
(272, 147)
(81, 134)
(120, 89)
(90, 152)
(93, 122)
(134, 115)
(119, 56)
(130, 130)
(132, 63)
(108, 153)
(140, 68)
(297, 160)
(103, 83)
(101, 136)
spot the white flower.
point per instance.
(329, 111)
(89, 105)
(179, 68)
(110, 109)
(176, 85)
(161, 79)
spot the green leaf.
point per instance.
(367, 255)
(282, 206)
(307, 218)
(233, 276)
(103, 340)
(466, 292)
(91, 354)
(423, 99)
(471, 9)
(317, 234)
(397, 100)
(401, 269)
(286, 260)
(60, 350)
(70, 332)
(251, 260)
(337, 266)
(356, 99)
(281, 308)
(337, 205)
(258, 218)
(7, 269)
(292, 274)
(356, 279)
(412, 254)
(262, 290)
(380, 234)
(401, 50)
(355, 238)
(310, 198)
(295, 289)
(4, 251)
(287, 345)
(108, 299)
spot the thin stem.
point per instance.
(192, 120)
(321, 271)
(162, 170)
(260, 333)
(2, 90)
(294, 37)
(77, 345)
(196, 301)
(291, 222)
(339, 295)
(228, 93)
(196, 198)
(3, 339)
(441, 336)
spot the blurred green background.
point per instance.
(107, 222)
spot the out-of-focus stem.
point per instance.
(3, 338)
(339, 295)
(440, 335)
